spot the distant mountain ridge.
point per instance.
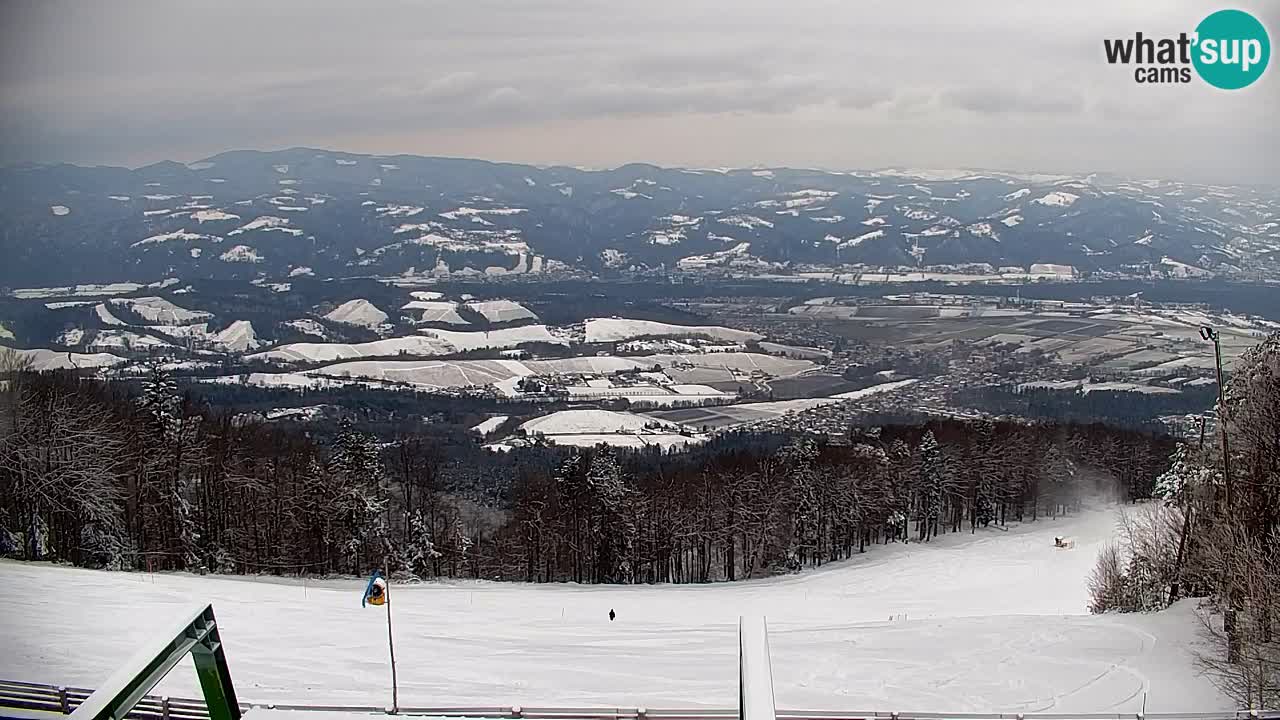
(249, 214)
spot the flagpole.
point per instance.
(395, 692)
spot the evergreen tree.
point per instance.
(611, 529)
(420, 554)
(355, 467)
(797, 461)
(931, 476)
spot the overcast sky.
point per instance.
(840, 84)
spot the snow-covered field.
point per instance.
(466, 373)
(357, 312)
(500, 311)
(992, 622)
(43, 359)
(600, 330)
(429, 343)
(161, 311)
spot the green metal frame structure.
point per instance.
(198, 635)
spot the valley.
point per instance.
(522, 363)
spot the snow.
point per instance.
(345, 162)
(280, 380)
(490, 425)
(503, 338)
(437, 374)
(1057, 199)
(414, 227)
(430, 374)
(426, 295)
(430, 343)
(175, 235)
(121, 198)
(69, 337)
(241, 254)
(1052, 269)
(989, 622)
(202, 216)
(499, 311)
(237, 337)
(601, 330)
(917, 213)
(357, 312)
(160, 311)
(436, 311)
(476, 212)
(626, 194)
(600, 422)
(982, 229)
(749, 222)
(1086, 387)
(159, 197)
(1179, 269)
(1012, 220)
(301, 270)
(855, 242)
(309, 327)
(45, 359)
(266, 222)
(399, 210)
(59, 209)
(612, 257)
(126, 340)
(1016, 194)
(199, 330)
(105, 315)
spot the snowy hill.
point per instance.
(357, 312)
(1001, 627)
(345, 215)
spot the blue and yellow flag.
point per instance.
(375, 593)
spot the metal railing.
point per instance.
(53, 700)
(62, 700)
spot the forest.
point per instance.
(1215, 536)
(138, 476)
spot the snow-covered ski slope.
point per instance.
(992, 622)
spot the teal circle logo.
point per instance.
(1232, 49)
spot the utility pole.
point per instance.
(1229, 615)
(1209, 333)
(395, 688)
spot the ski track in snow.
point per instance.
(966, 623)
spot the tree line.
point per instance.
(107, 474)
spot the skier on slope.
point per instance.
(612, 615)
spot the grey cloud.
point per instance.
(989, 100)
(140, 80)
(864, 98)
